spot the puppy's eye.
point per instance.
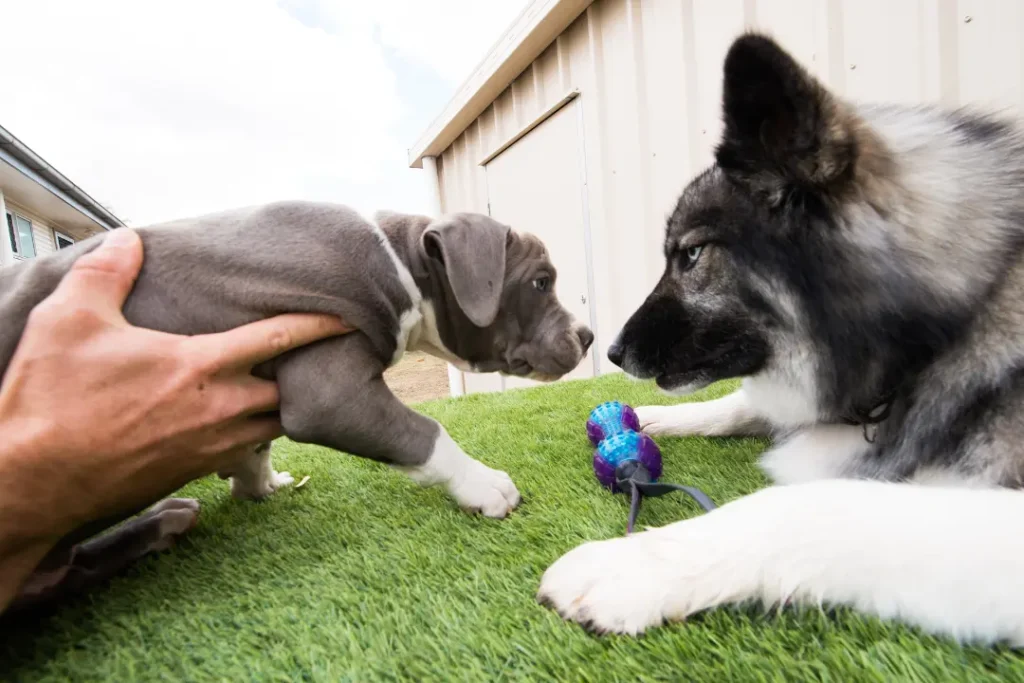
(542, 284)
(693, 253)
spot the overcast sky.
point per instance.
(165, 109)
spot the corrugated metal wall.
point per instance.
(649, 77)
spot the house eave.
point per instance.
(526, 39)
(18, 155)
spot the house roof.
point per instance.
(77, 204)
(529, 35)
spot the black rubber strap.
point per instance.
(634, 507)
(660, 489)
(639, 489)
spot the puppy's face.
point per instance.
(501, 310)
(536, 336)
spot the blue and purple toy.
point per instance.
(627, 460)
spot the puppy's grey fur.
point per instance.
(72, 568)
(464, 287)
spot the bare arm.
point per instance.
(102, 419)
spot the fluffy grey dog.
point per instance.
(861, 268)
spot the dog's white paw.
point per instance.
(249, 488)
(175, 504)
(281, 479)
(175, 517)
(473, 485)
(478, 488)
(663, 420)
(607, 586)
(627, 585)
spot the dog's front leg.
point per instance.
(72, 568)
(333, 394)
(933, 557)
(731, 415)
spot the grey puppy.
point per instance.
(465, 288)
(861, 267)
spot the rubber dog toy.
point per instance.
(627, 460)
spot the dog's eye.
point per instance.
(693, 253)
(542, 284)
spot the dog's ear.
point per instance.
(472, 249)
(783, 129)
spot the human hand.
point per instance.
(102, 418)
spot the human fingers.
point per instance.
(105, 276)
(247, 395)
(246, 432)
(258, 342)
(221, 449)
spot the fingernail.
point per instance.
(120, 237)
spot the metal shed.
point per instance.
(587, 118)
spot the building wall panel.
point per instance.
(649, 76)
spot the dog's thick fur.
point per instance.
(861, 268)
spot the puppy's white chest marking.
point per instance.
(427, 338)
(408, 321)
(408, 324)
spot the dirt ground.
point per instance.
(418, 377)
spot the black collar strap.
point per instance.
(871, 420)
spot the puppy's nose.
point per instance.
(586, 337)
(615, 353)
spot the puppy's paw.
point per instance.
(175, 517)
(175, 504)
(281, 479)
(480, 489)
(627, 585)
(665, 420)
(245, 488)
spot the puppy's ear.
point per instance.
(783, 129)
(472, 249)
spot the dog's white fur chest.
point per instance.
(417, 326)
(410, 321)
(427, 338)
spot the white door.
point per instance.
(537, 186)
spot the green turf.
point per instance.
(362, 576)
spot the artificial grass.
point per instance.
(363, 576)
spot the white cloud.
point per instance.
(170, 109)
(451, 37)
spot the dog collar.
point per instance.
(869, 421)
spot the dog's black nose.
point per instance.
(615, 353)
(586, 337)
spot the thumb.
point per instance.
(105, 276)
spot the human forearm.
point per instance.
(15, 567)
(29, 527)
(142, 414)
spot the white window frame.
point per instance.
(57, 234)
(17, 236)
